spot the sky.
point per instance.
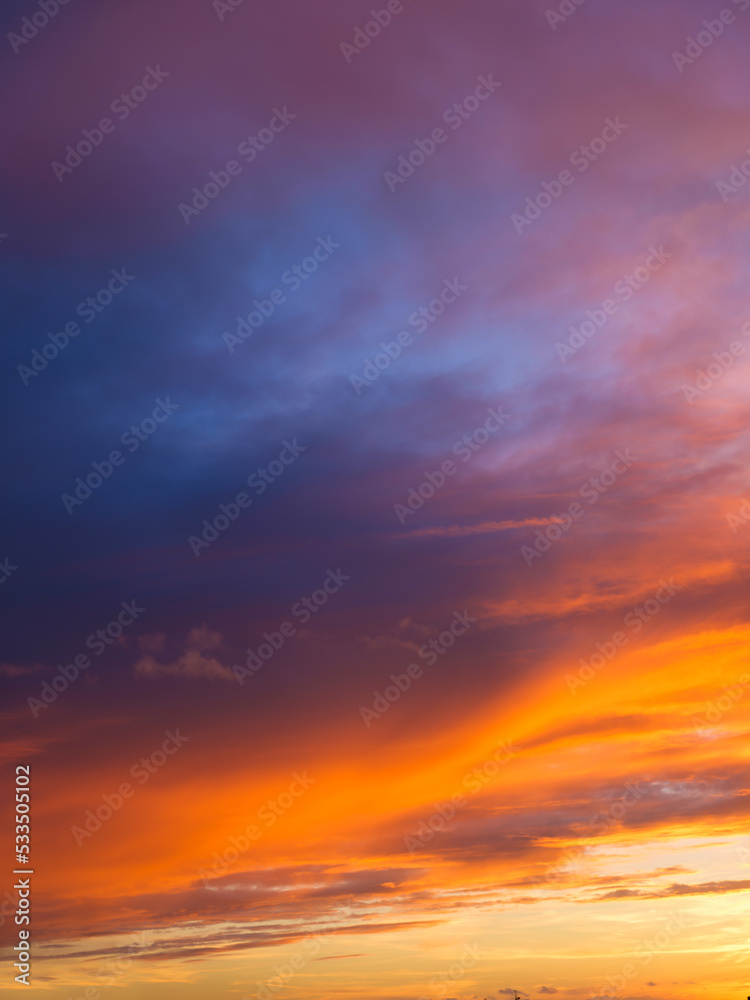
(375, 530)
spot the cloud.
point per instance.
(285, 903)
(328, 958)
(546, 989)
(151, 642)
(487, 527)
(194, 662)
(14, 670)
(677, 889)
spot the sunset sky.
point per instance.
(377, 381)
